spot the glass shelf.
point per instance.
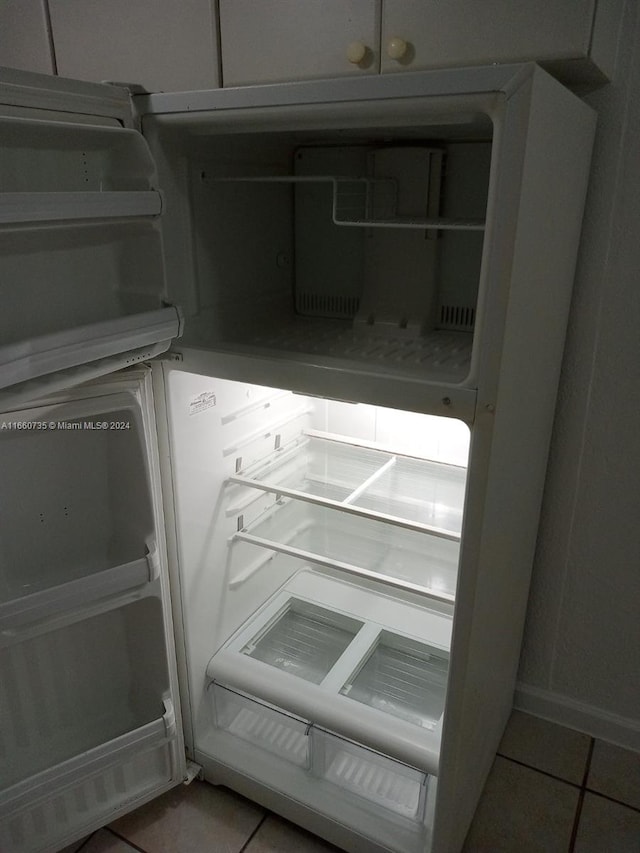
(425, 495)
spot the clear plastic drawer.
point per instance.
(261, 725)
(368, 775)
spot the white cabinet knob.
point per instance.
(356, 52)
(397, 48)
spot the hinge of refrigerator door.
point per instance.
(193, 771)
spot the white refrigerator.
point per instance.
(278, 370)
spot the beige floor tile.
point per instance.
(607, 827)
(104, 841)
(198, 818)
(279, 836)
(522, 811)
(72, 848)
(615, 772)
(546, 746)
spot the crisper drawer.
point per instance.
(368, 775)
(346, 770)
(262, 725)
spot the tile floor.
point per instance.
(551, 790)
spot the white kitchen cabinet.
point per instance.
(289, 40)
(24, 36)
(294, 40)
(162, 45)
(574, 37)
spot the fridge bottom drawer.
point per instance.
(353, 772)
(366, 774)
(261, 725)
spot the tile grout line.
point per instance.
(86, 841)
(612, 800)
(583, 788)
(253, 834)
(538, 770)
(131, 844)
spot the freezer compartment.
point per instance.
(402, 678)
(366, 245)
(77, 506)
(88, 791)
(367, 547)
(264, 726)
(73, 688)
(360, 772)
(389, 485)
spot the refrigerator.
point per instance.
(278, 368)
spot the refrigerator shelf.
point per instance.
(415, 493)
(403, 558)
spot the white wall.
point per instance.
(581, 654)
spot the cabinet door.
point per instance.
(163, 45)
(81, 267)
(24, 36)
(278, 40)
(466, 32)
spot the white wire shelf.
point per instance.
(362, 202)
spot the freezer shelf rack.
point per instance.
(361, 202)
(381, 485)
(364, 547)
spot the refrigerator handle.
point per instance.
(153, 560)
(169, 718)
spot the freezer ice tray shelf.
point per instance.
(389, 486)
(366, 547)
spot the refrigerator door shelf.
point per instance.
(80, 593)
(103, 779)
(61, 350)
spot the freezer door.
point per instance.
(89, 705)
(81, 265)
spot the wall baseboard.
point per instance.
(596, 722)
